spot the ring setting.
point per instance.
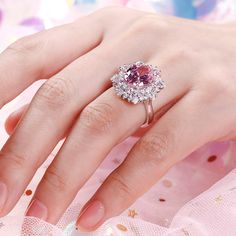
(139, 82)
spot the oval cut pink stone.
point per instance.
(143, 70)
(139, 75)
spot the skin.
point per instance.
(77, 102)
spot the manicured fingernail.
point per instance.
(37, 209)
(3, 194)
(15, 113)
(91, 216)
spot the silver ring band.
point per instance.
(149, 112)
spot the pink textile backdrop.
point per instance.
(197, 197)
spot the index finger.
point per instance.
(41, 55)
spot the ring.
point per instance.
(139, 82)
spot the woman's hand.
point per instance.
(77, 102)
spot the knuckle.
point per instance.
(185, 54)
(14, 159)
(121, 187)
(220, 83)
(97, 118)
(25, 45)
(54, 180)
(215, 82)
(149, 24)
(154, 147)
(54, 93)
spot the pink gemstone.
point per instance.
(132, 77)
(141, 74)
(143, 70)
(146, 79)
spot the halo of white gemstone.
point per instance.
(130, 87)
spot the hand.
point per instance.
(77, 102)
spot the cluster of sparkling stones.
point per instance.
(138, 82)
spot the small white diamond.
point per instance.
(161, 86)
(115, 78)
(155, 73)
(135, 100)
(124, 68)
(139, 63)
(123, 86)
(148, 89)
(122, 75)
(125, 95)
(120, 92)
(141, 98)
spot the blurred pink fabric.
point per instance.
(197, 197)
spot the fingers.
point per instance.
(86, 146)
(52, 113)
(14, 118)
(43, 54)
(49, 117)
(158, 150)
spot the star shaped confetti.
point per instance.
(219, 199)
(132, 213)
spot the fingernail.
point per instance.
(37, 209)
(91, 216)
(3, 194)
(15, 113)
